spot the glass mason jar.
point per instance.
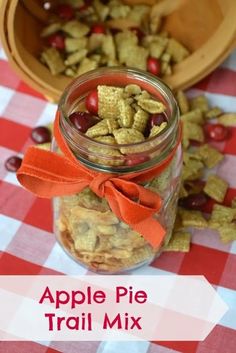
(85, 225)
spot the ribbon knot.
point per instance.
(97, 184)
(48, 174)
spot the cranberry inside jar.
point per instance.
(112, 138)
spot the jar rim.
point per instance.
(72, 134)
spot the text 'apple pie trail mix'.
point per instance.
(84, 35)
(127, 122)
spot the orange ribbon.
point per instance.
(48, 174)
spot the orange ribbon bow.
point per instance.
(48, 174)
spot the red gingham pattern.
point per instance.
(27, 245)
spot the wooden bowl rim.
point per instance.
(227, 26)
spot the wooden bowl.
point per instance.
(206, 27)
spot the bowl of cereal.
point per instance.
(49, 43)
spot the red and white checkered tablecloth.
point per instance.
(27, 245)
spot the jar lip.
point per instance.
(140, 76)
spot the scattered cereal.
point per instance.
(210, 155)
(222, 220)
(227, 119)
(213, 113)
(180, 241)
(221, 215)
(216, 188)
(227, 232)
(192, 131)
(183, 102)
(194, 116)
(199, 102)
(193, 219)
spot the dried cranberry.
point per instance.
(216, 132)
(134, 160)
(98, 28)
(83, 121)
(41, 134)
(57, 41)
(157, 119)
(91, 102)
(65, 11)
(153, 66)
(195, 186)
(193, 201)
(12, 164)
(154, 119)
(138, 33)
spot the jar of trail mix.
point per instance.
(121, 127)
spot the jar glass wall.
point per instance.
(85, 225)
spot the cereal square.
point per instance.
(216, 188)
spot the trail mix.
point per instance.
(88, 228)
(83, 35)
(120, 116)
(92, 233)
(203, 125)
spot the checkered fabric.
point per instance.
(27, 245)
